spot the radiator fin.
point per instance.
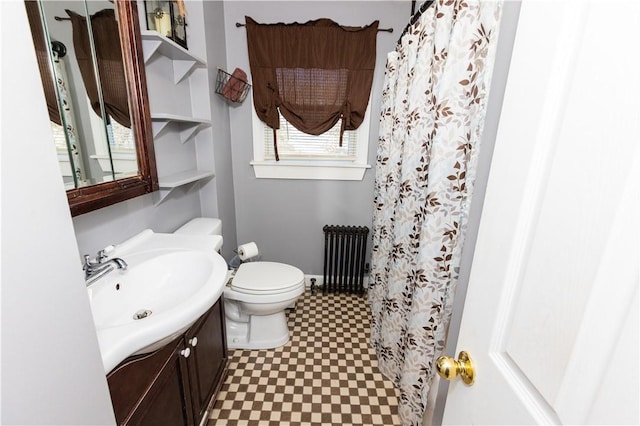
(344, 258)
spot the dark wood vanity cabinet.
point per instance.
(207, 363)
(176, 384)
(166, 394)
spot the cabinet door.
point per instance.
(153, 390)
(167, 401)
(208, 361)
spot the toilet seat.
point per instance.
(266, 278)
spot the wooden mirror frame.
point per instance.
(84, 200)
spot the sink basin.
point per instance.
(170, 281)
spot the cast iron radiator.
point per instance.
(344, 255)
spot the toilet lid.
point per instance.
(266, 277)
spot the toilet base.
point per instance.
(260, 332)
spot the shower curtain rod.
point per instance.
(386, 30)
(238, 24)
(415, 17)
(59, 48)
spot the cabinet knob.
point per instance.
(193, 341)
(185, 352)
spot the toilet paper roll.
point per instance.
(247, 251)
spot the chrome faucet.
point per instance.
(95, 269)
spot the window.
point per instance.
(59, 138)
(122, 138)
(294, 144)
(312, 75)
(303, 156)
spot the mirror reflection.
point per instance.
(82, 71)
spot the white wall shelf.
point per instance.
(184, 62)
(169, 183)
(179, 98)
(188, 127)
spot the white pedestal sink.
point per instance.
(170, 281)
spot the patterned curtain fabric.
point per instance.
(433, 107)
(314, 74)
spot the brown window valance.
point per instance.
(314, 74)
(106, 39)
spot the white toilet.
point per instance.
(255, 297)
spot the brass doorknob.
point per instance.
(448, 368)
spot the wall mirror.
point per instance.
(92, 70)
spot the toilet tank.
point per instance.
(202, 226)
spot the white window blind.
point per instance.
(59, 137)
(296, 145)
(122, 137)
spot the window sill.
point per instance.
(308, 170)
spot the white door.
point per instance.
(551, 315)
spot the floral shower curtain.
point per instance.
(433, 106)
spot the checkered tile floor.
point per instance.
(326, 374)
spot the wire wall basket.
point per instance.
(232, 87)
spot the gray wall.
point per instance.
(51, 366)
(216, 58)
(285, 217)
(116, 223)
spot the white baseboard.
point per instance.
(320, 280)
